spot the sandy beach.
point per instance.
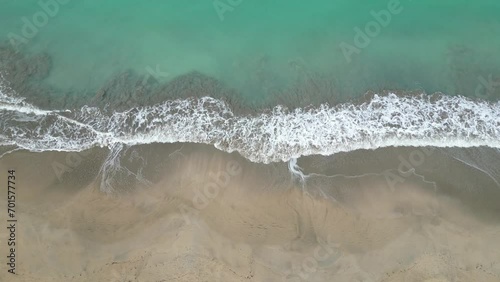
(203, 215)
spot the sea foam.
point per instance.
(275, 135)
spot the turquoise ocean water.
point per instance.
(259, 47)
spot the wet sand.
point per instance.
(184, 212)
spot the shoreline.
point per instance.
(474, 179)
(277, 135)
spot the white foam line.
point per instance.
(8, 152)
(278, 135)
(477, 168)
(296, 170)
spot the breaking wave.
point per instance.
(275, 135)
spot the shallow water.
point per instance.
(260, 47)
